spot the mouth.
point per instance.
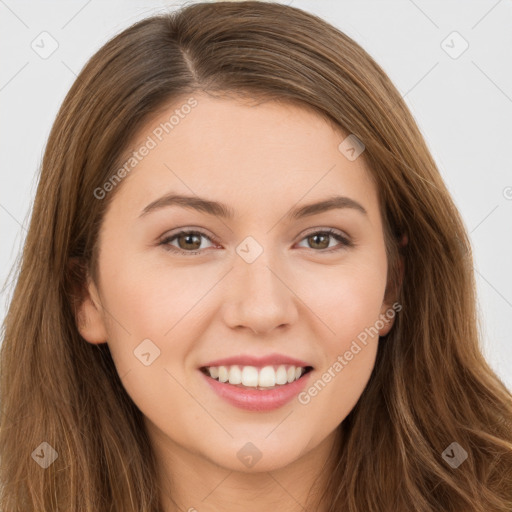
(257, 388)
(256, 378)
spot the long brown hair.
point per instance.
(431, 386)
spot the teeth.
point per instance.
(251, 376)
(223, 374)
(267, 377)
(281, 377)
(235, 375)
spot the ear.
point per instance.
(387, 317)
(90, 318)
(89, 314)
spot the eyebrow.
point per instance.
(221, 210)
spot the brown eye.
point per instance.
(320, 241)
(188, 242)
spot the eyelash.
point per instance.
(345, 242)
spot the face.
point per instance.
(299, 287)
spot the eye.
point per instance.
(320, 240)
(191, 239)
(186, 240)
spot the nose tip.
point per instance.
(259, 300)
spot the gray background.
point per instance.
(463, 106)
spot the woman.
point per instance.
(320, 352)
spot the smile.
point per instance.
(265, 389)
(267, 377)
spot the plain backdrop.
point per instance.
(450, 60)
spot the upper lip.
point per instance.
(248, 360)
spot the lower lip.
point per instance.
(257, 400)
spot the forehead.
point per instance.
(244, 153)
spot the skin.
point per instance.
(294, 299)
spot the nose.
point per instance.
(259, 296)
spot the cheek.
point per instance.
(143, 303)
(349, 309)
(347, 298)
(151, 328)
(150, 300)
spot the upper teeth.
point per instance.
(251, 376)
